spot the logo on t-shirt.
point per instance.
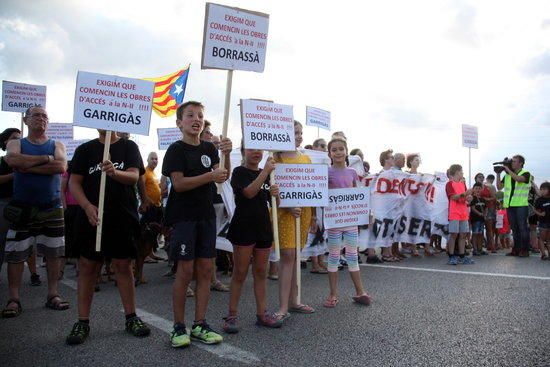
(182, 252)
(206, 161)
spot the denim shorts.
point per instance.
(478, 227)
(459, 226)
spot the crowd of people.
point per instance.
(50, 208)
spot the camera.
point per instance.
(499, 166)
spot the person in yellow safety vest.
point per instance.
(516, 183)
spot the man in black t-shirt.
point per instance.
(120, 225)
(193, 168)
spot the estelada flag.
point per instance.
(169, 92)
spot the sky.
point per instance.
(395, 74)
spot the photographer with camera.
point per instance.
(516, 183)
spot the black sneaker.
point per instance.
(136, 327)
(78, 334)
(35, 280)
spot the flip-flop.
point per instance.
(302, 309)
(331, 303)
(11, 312)
(363, 299)
(321, 271)
(281, 317)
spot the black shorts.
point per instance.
(533, 220)
(260, 245)
(193, 239)
(118, 238)
(70, 231)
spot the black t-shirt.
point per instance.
(119, 199)
(250, 223)
(479, 205)
(6, 189)
(543, 204)
(191, 160)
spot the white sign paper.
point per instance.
(113, 103)
(347, 207)
(267, 126)
(302, 185)
(17, 97)
(234, 39)
(167, 136)
(317, 117)
(59, 131)
(469, 136)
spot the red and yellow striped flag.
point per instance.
(169, 92)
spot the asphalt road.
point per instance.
(425, 313)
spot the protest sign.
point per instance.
(59, 131)
(302, 185)
(469, 136)
(167, 136)
(17, 97)
(317, 117)
(113, 103)
(267, 126)
(71, 145)
(234, 39)
(347, 207)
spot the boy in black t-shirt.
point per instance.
(477, 219)
(542, 210)
(120, 225)
(193, 168)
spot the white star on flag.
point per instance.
(179, 89)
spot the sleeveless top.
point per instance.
(36, 189)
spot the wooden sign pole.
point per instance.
(102, 192)
(226, 118)
(298, 262)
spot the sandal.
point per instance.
(281, 316)
(320, 271)
(60, 305)
(389, 259)
(12, 312)
(301, 309)
(331, 302)
(364, 299)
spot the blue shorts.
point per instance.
(544, 226)
(459, 226)
(478, 227)
(193, 239)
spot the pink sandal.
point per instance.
(331, 302)
(364, 299)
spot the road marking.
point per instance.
(458, 272)
(223, 350)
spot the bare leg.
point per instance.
(52, 266)
(87, 275)
(125, 283)
(259, 270)
(184, 274)
(241, 258)
(202, 292)
(286, 278)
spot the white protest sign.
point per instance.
(347, 207)
(317, 117)
(113, 103)
(60, 131)
(17, 97)
(469, 136)
(302, 185)
(267, 126)
(167, 136)
(71, 145)
(234, 39)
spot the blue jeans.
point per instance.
(520, 228)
